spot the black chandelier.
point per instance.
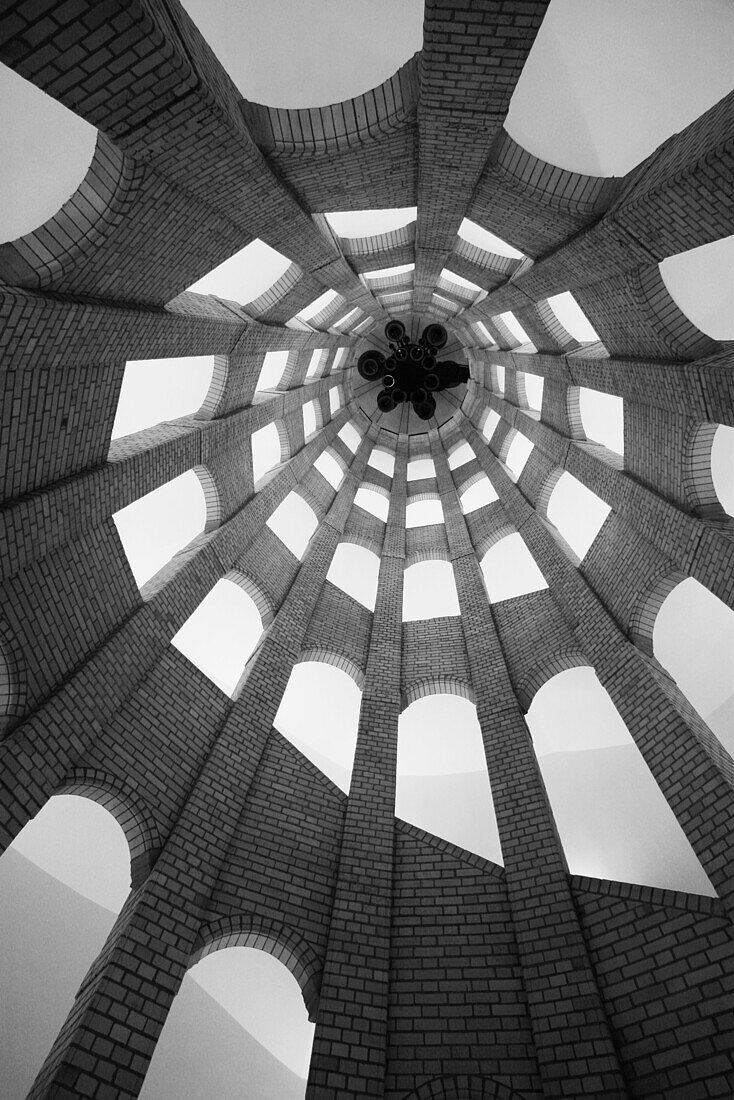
(411, 372)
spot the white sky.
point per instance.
(572, 317)
(701, 282)
(221, 634)
(509, 570)
(244, 276)
(481, 237)
(534, 390)
(429, 591)
(577, 513)
(154, 390)
(369, 223)
(294, 522)
(355, 570)
(155, 527)
(479, 494)
(602, 415)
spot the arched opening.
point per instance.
(294, 522)
(612, 818)
(518, 452)
(335, 399)
(602, 416)
(339, 357)
(571, 316)
(330, 468)
(223, 631)
(577, 513)
(350, 437)
(305, 315)
(429, 591)
(324, 732)
(498, 377)
(156, 526)
(238, 1017)
(47, 151)
(370, 223)
(244, 276)
(317, 362)
(510, 321)
(267, 451)
(311, 420)
(482, 238)
(480, 493)
(489, 424)
(701, 283)
(693, 638)
(373, 502)
(510, 570)
(423, 513)
(420, 468)
(155, 390)
(271, 372)
(382, 460)
(533, 384)
(460, 455)
(442, 781)
(722, 466)
(62, 883)
(355, 570)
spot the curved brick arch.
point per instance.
(336, 660)
(645, 611)
(217, 388)
(437, 685)
(256, 594)
(211, 498)
(280, 941)
(543, 672)
(698, 482)
(573, 412)
(12, 680)
(77, 231)
(463, 1088)
(486, 542)
(129, 811)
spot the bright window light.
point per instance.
(327, 735)
(309, 420)
(482, 238)
(341, 354)
(316, 362)
(369, 223)
(510, 570)
(484, 331)
(266, 451)
(246, 275)
(499, 373)
(461, 456)
(518, 453)
(577, 513)
(572, 317)
(294, 522)
(355, 570)
(272, 369)
(347, 319)
(534, 390)
(419, 468)
(446, 301)
(514, 326)
(335, 400)
(389, 272)
(155, 390)
(722, 467)
(154, 527)
(442, 784)
(602, 416)
(372, 502)
(490, 424)
(477, 495)
(460, 280)
(350, 437)
(701, 282)
(429, 591)
(423, 513)
(381, 460)
(329, 468)
(316, 306)
(221, 634)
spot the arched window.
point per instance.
(693, 638)
(460, 456)
(271, 372)
(341, 354)
(335, 399)
(511, 322)
(266, 451)
(350, 437)
(509, 570)
(518, 453)
(613, 820)
(442, 781)
(355, 570)
(489, 424)
(326, 734)
(316, 306)
(533, 389)
(156, 526)
(701, 283)
(221, 633)
(154, 390)
(475, 234)
(373, 502)
(294, 522)
(310, 421)
(602, 416)
(238, 1016)
(244, 276)
(47, 150)
(420, 468)
(577, 513)
(329, 467)
(498, 377)
(478, 494)
(369, 223)
(722, 466)
(317, 363)
(429, 591)
(62, 882)
(423, 513)
(382, 460)
(572, 317)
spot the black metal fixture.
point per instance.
(411, 372)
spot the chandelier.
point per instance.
(411, 372)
